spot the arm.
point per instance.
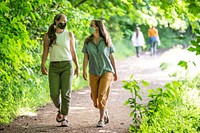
(112, 58)
(45, 54)
(85, 63)
(142, 37)
(133, 38)
(73, 52)
(149, 34)
(156, 32)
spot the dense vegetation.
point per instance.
(173, 108)
(23, 24)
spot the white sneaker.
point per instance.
(101, 124)
(64, 123)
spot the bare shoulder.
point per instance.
(71, 34)
(46, 37)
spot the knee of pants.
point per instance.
(54, 96)
(102, 104)
(66, 96)
(102, 100)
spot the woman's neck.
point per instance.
(96, 37)
(59, 30)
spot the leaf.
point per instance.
(175, 84)
(4, 8)
(145, 83)
(139, 96)
(131, 100)
(132, 113)
(183, 64)
(195, 43)
(138, 106)
(126, 102)
(191, 48)
(131, 77)
(194, 63)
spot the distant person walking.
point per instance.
(138, 40)
(98, 52)
(60, 44)
(153, 39)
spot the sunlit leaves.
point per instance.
(195, 47)
(4, 8)
(183, 64)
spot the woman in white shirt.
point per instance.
(138, 40)
(59, 42)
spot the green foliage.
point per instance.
(183, 64)
(137, 109)
(170, 38)
(173, 109)
(195, 47)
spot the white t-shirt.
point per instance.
(60, 51)
(138, 41)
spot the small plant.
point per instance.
(172, 109)
(138, 109)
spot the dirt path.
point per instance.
(83, 116)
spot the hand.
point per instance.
(115, 77)
(44, 70)
(85, 75)
(76, 72)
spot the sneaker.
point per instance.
(101, 124)
(64, 123)
(106, 117)
(59, 117)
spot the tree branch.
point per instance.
(81, 2)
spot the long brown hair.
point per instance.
(103, 33)
(52, 29)
(137, 31)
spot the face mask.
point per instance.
(62, 25)
(92, 30)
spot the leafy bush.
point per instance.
(138, 108)
(172, 109)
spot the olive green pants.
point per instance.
(60, 83)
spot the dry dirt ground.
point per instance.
(83, 116)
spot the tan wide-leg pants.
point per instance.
(100, 88)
